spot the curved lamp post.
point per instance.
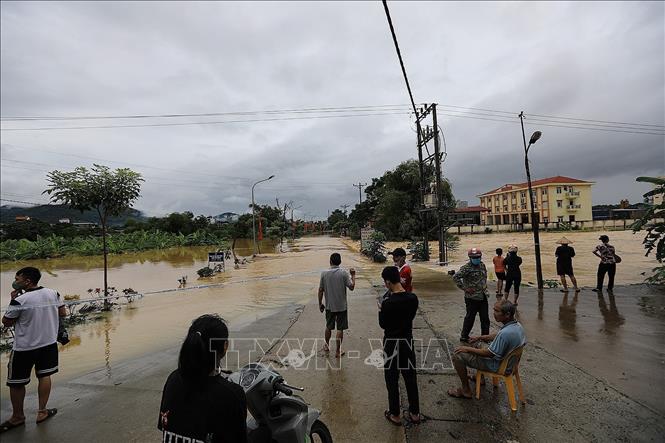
(535, 223)
(253, 213)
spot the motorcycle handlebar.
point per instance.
(281, 387)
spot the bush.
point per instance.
(375, 247)
(417, 251)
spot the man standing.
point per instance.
(607, 265)
(396, 314)
(399, 257)
(472, 279)
(333, 284)
(564, 263)
(509, 337)
(34, 312)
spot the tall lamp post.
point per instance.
(253, 212)
(535, 223)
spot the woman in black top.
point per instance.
(396, 313)
(564, 263)
(512, 263)
(197, 403)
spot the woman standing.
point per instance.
(512, 263)
(564, 263)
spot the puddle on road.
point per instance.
(617, 338)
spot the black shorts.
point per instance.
(44, 359)
(340, 318)
(564, 268)
(500, 275)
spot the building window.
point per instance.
(559, 219)
(505, 208)
(544, 191)
(522, 194)
(558, 190)
(546, 220)
(559, 203)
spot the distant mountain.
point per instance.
(53, 213)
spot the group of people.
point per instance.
(195, 392)
(397, 309)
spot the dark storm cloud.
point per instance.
(603, 61)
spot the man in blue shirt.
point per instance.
(509, 337)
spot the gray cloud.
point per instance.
(603, 61)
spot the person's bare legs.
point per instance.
(43, 392)
(574, 280)
(326, 346)
(563, 283)
(17, 395)
(463, 375)
(338, 343)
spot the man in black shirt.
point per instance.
(396, 313)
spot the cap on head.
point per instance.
(512, 248)
(475, 253)
(604, 238)
(398, 252)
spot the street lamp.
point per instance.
(535, 223)
(253, 213)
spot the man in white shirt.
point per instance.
(34, 313)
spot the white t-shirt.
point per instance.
(37, 317)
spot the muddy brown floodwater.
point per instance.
(633, 269)
(159, 321)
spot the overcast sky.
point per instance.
(597, 60)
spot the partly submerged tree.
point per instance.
(109, 193)
(654, 224)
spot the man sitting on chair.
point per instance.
(509, 337)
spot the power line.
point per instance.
(214, 114)
(399, 55)
(150, 125)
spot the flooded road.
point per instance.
(160, 321)
(628, 246)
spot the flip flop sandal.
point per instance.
(49, 413)
(387, 414)
(457, 393)
(411, 422)
(6, 426)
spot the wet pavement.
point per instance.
(592, 371)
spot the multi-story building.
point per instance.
(557, 199)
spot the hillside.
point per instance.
(53, 213)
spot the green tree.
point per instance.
(393, 202)
(109, 193)
(338, 220)
(652, 222)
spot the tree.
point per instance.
(338, 220)
(652, 222)
(109, 193)
(393, 202)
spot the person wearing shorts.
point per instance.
(499, 271)
(510, 336)
(34, 313)
(564, 263)
(333, 285)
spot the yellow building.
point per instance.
(558, 199)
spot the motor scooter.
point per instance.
(277, 415)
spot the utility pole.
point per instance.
(344, 207)
(535, 220)
(360, 190)
(431, 160)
